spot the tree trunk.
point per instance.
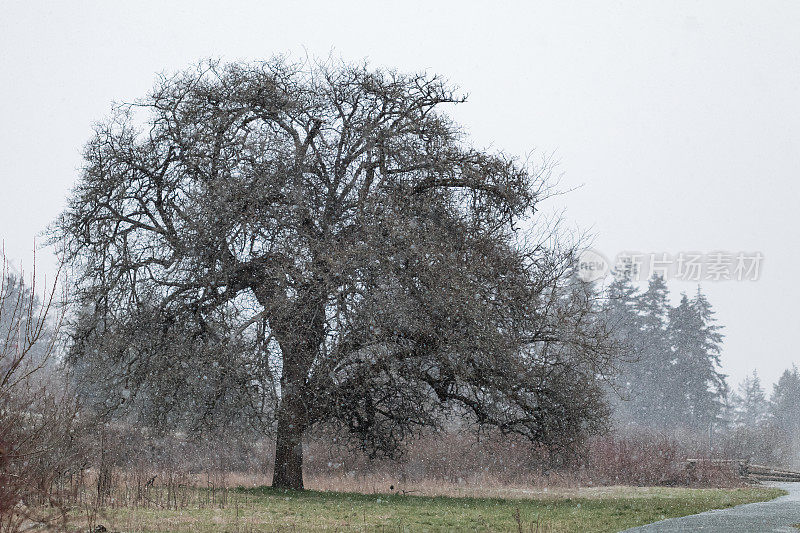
(300, 331)
(288, 472)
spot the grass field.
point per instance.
(590, 509)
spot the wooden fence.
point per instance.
(749, 471)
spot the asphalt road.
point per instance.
(779, 514)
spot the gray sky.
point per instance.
(680, 119)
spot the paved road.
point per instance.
(776, 515)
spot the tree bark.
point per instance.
(288, 472)
(292, 423)
(299, 329)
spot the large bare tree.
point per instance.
(320, 244)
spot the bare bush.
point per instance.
(652, 458)
(38, 414)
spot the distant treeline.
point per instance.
(749, 406)
(670, 376)
(670, 373)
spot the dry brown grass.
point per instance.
(133, 471)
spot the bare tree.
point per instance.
(324, 239)
(36, 415)
(28, 327)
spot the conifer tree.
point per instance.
(625, 321)
(707, 387)
(654, 356)
(750, 403)
(695, 339)
(785, 402)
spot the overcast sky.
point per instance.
(681, 120)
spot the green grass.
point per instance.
(264, 509)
